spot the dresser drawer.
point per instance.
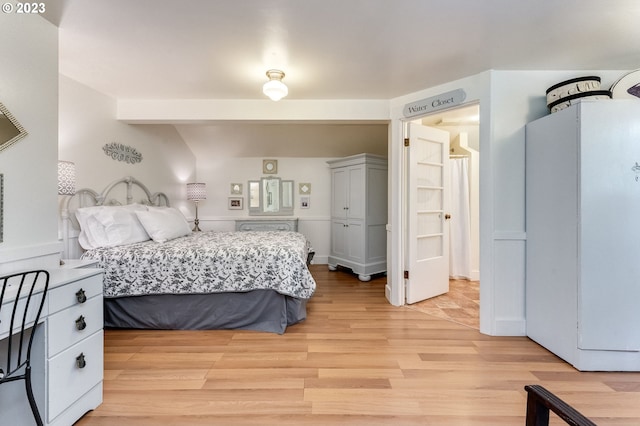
(69, 326)
(68, 295)
(72, 381)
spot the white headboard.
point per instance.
(109, 196)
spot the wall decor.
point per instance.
(121, 152)
(236, 189)
(269, 166)
(305, 202)
(1, 205)
(270, 196)
(10, 130)
(235, 203)
(304, 188)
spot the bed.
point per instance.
(177, 279)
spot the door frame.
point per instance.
(396, 241)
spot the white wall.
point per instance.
(87, 123)
(219, 172)
(29, 89)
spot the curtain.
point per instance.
(460, 222)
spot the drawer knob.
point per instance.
(81, 324)
(81, 296)
(80, 362)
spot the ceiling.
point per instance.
(331, 49)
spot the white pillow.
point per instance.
(164, 223)
(109, 226)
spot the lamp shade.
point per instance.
(66, 178)
(196, 191)
(275, 89)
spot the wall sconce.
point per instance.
(275, 88)
(66, 178)
(195, 193)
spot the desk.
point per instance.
(63, 390)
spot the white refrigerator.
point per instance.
(583, 234)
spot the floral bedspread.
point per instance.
(208, 262)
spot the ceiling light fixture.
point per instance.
(275, 88)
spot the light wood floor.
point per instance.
(460, 304)
(356, 360)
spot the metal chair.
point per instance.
(25, 294)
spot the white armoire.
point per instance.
(583, 234)
(359, 214)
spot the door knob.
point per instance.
(447, 216)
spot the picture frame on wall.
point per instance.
(236, 189)
(269, 167)
(1, 204)
(235, 203)
(305, 202)
(304, 188)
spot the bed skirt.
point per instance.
(259, 310)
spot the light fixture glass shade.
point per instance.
(196, 191)
(66, 178)
(275, 89)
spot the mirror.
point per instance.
(270, 196)
(10, 130)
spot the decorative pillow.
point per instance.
(109, 226)
(164, 223)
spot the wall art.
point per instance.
(236, 189)
(269, 166)
(121, 152)
(10, 130)
(235, 203)
(1, 204)
(304, 188)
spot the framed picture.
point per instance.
(10, 130)
(235, 203)
(236, 189)
(1, 206)
(305, 202)
(304, 188)
(269, 167)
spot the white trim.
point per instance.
(509, 236)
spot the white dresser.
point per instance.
(67, 354)
(267, 224)
(359, 214)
